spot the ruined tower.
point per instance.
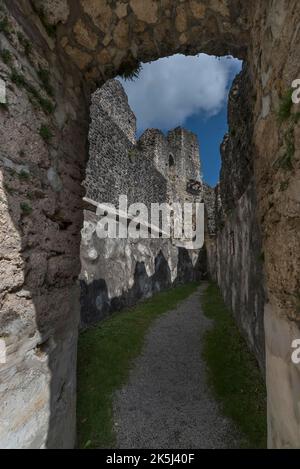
(154, 169)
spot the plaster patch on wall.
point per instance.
(2, 91)
(2, 352)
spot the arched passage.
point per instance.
(59, 53)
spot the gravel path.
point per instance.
(167, 403)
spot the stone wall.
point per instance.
(235, 255)
(236, 263)
(276, 143)
(155, 169)
(117, 164)
(43, 135)
(118, 273)
(209, 197)
(237, 147)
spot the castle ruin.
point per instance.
(54, 56)
(157, 169)
(153, 169)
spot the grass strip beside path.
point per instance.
(234, 373)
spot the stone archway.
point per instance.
(57, 54)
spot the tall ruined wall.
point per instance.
(235, 257)
(236, 260)
(209, 198)
(43, 135)
(154, 169)
(276, 142)
(237, 147)
(117, 165)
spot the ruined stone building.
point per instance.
(158, 168)
(154, 169)
(54, 56)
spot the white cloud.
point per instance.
(172, 89)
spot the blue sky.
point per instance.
(188, 91)
(210, 134)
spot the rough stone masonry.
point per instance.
(155, 169)
(53, 55)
